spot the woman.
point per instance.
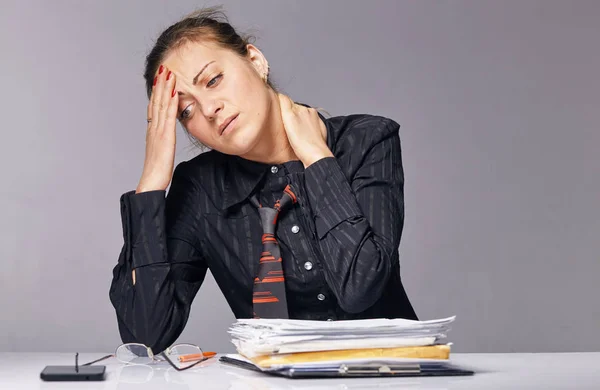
(296, 215)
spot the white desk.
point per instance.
(502, 371)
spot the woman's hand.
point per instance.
(305, 130)
(160, 135)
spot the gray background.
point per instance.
(499, 104)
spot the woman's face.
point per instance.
(215, 85)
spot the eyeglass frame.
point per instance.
(152, 356)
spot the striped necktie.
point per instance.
(268, 298)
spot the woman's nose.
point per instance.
(212, 109)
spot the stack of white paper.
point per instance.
(257, 337)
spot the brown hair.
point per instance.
(203, 25)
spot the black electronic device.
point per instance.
(73, 373)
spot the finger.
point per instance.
(157, 94)
(165, 99)
(171, 117)
(285, 102)
(313, 111)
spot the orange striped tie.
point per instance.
(268, 298)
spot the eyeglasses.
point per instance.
(179, 356)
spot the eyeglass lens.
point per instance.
(133, 354)
(182, 355)
(185, 355)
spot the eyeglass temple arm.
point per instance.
(98, 360)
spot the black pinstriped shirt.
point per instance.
(339, 242)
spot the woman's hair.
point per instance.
(203, 25)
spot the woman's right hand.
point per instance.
(160, 135)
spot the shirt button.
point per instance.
(308, 266)
(321, 297)
(274, 169)
(295, 229)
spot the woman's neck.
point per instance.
(274, 146)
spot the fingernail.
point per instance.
(173, 93)
(168, 75)
(160, 69)
(154, 83)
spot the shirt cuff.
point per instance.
(143, 217)
(330, 195)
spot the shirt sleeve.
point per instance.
(359, 222)
(160, 244)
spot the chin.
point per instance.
(240, 142)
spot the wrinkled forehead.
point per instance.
(188, 59)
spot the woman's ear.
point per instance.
(258, 60)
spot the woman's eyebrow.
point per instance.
(195, 80)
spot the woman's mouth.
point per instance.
(229, 127)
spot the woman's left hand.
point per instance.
(305, 131)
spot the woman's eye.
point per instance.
(210, 83)
(184, 114)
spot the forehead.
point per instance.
(188, 59)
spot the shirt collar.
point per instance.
(241, 178)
